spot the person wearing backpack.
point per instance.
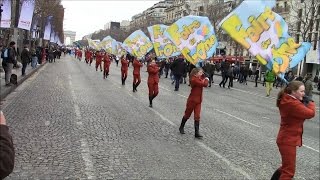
(9, 59)
(270, 77)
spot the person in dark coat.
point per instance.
(6, 149)
(167, 67)
(224, 69)
(178, 69)
(153, 80)
(25, 59)
(230, 75)
(294, 109)
(209, 70)
(197, 81)
(256, 77)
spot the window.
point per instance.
(309, 36)
(300, 13)
(297, 38)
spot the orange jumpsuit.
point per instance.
(293, 114)
(136, 72)
(195, 97)
(106, 65)
(124, 70)
(98, 61)
(153, 80)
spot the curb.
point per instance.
(6, 92)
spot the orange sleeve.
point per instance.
(200, 82)
(299, 110)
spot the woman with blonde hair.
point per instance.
(294, 109)
(197, 81)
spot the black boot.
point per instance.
(196, 128)
(276, 175)
(137, 86)
(122, 82)
(181, 128)
(133, 87)
(150, 101)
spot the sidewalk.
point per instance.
(5, 90)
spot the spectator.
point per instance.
(25, 59)
(9, 60)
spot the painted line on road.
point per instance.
(156, 112)
(230, 164)
(248, 92)
(85, 152)
(77, 111)
(236, 117)
(162, 117)
(265, 118)
(310, 148)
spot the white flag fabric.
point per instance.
(53, 34)
(35, 22)
(47, 29)
(26, 14)
(6, 14)
(56, 38)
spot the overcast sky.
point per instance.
(87, 16)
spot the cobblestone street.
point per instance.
(67, 122)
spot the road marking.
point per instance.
(77, 111)
(310, 148)
(248, 92)
(230, 164)
(162, 117)
(265, 117)
(85, 152)
(236, 117)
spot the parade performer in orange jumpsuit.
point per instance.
(197, 82)
(99, 60)
(106, 65)
(153, 81)
(294, 109)
(136, 74)
(124, 69)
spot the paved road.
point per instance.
(68, 122)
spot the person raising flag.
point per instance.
(198, 80)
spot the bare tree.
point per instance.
(303, 18)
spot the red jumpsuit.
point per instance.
(136, 73)
(79, 52)
(153, 80)
(90, 55)
(98, 61)
(106, 65)
(195, 97)
(293, 114)
(124, 70)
